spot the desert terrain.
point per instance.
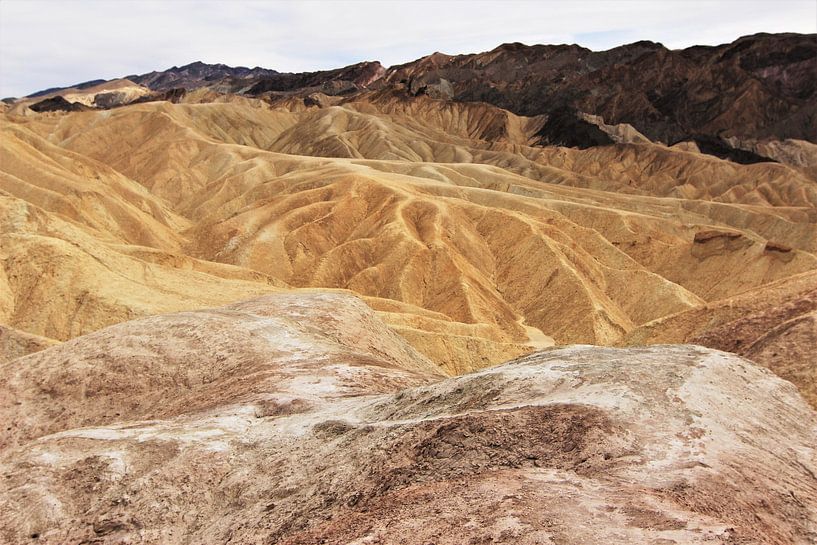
(538, 295)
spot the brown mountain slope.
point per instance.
(723, 99)
(300, 418)
(757, 86)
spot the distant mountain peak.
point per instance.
(667, 95)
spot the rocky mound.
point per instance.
(15, 344)
(199, 360)
(775, 326)
(301, 419)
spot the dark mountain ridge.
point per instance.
(756, 88)
(197, 74)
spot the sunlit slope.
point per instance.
(58, 281)
(84, 191)
(449, 219)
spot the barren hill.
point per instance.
(357, 306)
(726, 99)
(755, 87)
(299, 418)
(447, 216)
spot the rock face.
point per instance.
(256, 81)
(758, 86)
(57, 104)
(256, 346)
(340, 81)
(726, 99)
(195, 75)
(15, 344)
(299, 418)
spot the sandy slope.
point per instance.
(299, 418)
(442, 214)
(117, 91)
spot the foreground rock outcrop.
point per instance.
(300, 418)
(775, 326)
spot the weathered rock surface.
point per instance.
(775, 325)
(757, 86)
(15, 343)
(301, 419)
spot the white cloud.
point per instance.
(51, 43)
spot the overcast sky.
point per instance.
(56, 43)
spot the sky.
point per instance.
(46, 43)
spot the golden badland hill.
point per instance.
(240, 306)
(472, 247)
